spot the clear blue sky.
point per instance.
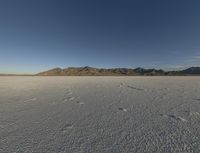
(36, 35)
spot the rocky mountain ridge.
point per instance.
(91, 71)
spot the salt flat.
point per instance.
(99, 114)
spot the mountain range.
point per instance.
(91, 71)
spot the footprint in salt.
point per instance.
(191, 113)
(65, 100)
(71, 98)
(194, 113)
(135, 88)
(29, 100)
(80, 103)
(197, 99)
(178, 118)
(121, 85)
(69, 93)
(122, 109)
(67, 127)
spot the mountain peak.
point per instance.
(192, 70)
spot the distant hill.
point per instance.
(90, 71)
(87, 71)
(192, 70)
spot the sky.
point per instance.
(36, 35)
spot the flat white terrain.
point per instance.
(99, 114)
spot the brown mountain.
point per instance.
(90, 71)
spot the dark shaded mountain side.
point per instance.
(192, 70)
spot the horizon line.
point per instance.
(176, 68)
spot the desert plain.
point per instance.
(139, 114)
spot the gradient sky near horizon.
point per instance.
(37, 35)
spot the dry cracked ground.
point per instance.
(99, 114)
